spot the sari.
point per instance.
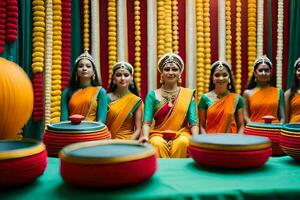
(295, 109)
(170, 133)
(220, 116)
(120, 116)
(84, 102)
(264, 101)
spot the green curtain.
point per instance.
(76, 43)
(294, 38)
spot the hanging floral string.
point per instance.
(11, 20)
(207, 51)
(175, 18)
(38, 50)
(238, 47)
(112, 34)
(56, 62)
(137, 48)
(160, 28)
(200, 68)
(260, 28)
(228, 31)
(48, 61)
(2, 25)
(279, 44)
(251, 36)
(86, 24)
(168, 25)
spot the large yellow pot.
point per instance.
(16, 99)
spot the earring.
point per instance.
(161, 79)
(131, 83)
(94, 77)
(179, 79)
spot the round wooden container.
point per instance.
(61, 134)
(272, 131)
(290, 140)
(230, 150)
(21, 161)
(107, 163)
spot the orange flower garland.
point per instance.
(175, 41)
(251, 36)
(238, 47)
(160, 28)
(207, 51)
(112, 34)
(137, 57)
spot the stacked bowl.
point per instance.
(230, 150)
(61, 134)
(290, 140)
(21, 161)
(107, 163)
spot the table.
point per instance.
(279, 178)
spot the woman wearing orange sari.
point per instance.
(221, 109)
(170, 115)
(84, 96)
(262, 97)
(292, 96)
(124, 117)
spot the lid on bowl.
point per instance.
(11, 149)
(234, 142)
(84, 126)
(106, 152)
(292, 127)
(262, 125)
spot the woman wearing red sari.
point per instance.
(262, 97)
(221, 109)
(292, 96)
(84, 96)
(170, 116)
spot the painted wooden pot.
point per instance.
(290, 140)
(16, 99)
(107, 163)
(21, 161)
(61, 134)
(230, 150)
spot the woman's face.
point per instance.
(122, 78)
(263, 73)
(170, 73)
(221, 77)
(85, 69)
(297, 72)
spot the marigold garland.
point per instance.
(207, 51)
(137, 38)
(175, 32)
(160, 28)
(86, 24)
(279, 44)
(168, 25)
(200, 68)
(112, 34)
(238, 47)
(228, 31)
(11, 20)
(251, 36)
(56, 61)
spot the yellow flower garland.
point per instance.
(86, 24)
(200, 68)
(56, 62)
(168, 25)
(238, 47)
(175, 41)
(137, 38)
(251, 36)
(160, 28)
(112, 34)
(228, 31)
(207, 51)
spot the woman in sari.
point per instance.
(221, 109)
(84, 96)
(262, 97)
(170, 115)
(292, 96)
(124, 117)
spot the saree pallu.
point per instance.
(264, 101)
(295, 109)
(84, 102)
(171, 121)
(220, 116)
(120, 118)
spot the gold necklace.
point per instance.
(168, 96)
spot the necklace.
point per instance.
(120, 95)
(168, 96)
(219, 96)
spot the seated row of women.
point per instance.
(170, 114)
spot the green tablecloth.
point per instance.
(279, 178)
